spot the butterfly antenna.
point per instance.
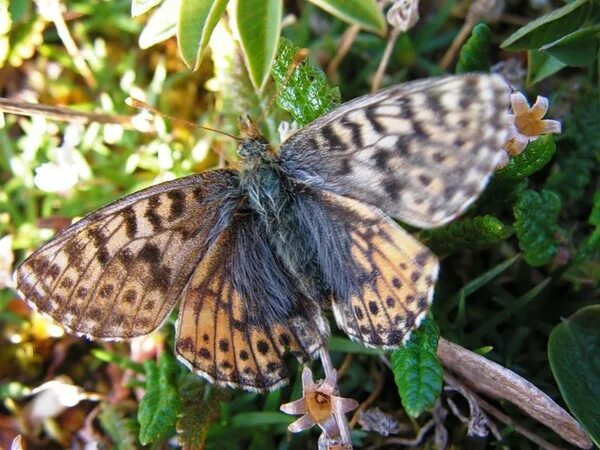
(299, 58)
(135, 103)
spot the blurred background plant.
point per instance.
(520, 271)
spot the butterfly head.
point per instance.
(253, 144)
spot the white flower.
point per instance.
(318, 405)
(62, 174)
(527, 124)
(7, 259)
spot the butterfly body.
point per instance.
(255, 256)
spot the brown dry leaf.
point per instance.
(483, 375)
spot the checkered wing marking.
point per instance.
(219, 338)
(422, 151)
(118, 272)
(396, 277)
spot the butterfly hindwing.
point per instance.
(227, 340)
(118, 272)
(421, 151)
(396, 275)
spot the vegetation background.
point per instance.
(520, 270)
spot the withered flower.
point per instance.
(318, 405)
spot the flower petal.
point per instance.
(519, 103)
(330, 427)
(303, 423)
(518, 144)
(503, 161)
(540, 107)
(308, 385)
(329, 384)
(343, 404)
(295, 407)
(551, 126)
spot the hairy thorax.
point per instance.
(277, 203)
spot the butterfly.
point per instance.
(255, 256)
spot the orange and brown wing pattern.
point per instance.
(219, 338)
(118, 272)
(396, 276)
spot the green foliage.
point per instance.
(536, 225)
(200, 407)
(258, 23)
(364, 13)
(574, 355)
(417, 370)
(161, 25)
(567, 36)
(535, 156)
(161, 403)
(578, 161)
(474, 233)
(305, 94)
(475, 53)
(197, 20)
(121, 430)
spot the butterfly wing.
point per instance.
(118, 272)
(421, 151)
(229, 341)
(395, 275)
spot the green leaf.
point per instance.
(139, 7)
(161, 404)
(541, 66)
(121, 430)
(549, 27)
(343, 345)
(536, 215)
(475, 53)
(200, 408)
(305, 94)
(473, 233)
(417, 371)
(197, 20)
(364, 13)
(161, 25)
(258, 23)
(119, 360)
(577, 160)
(260, 418)
(535, 156)
(579, 48)
(574, 355)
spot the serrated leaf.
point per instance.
(535, 156)
(574, 355)
(196, 22)
(305, 94)
(121, 430)
(364, 13)
(475, 53)
(578, 48)
(549, 27)
(576, 162)
(161, 25)
(139, 7)
(160, 406)
(472, 233)
(536, 215)
(258, 23)
(417, 370)
(200, 408)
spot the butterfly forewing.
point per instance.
(224, 340)
(396, 276)
(118, 272)
(421, 151)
